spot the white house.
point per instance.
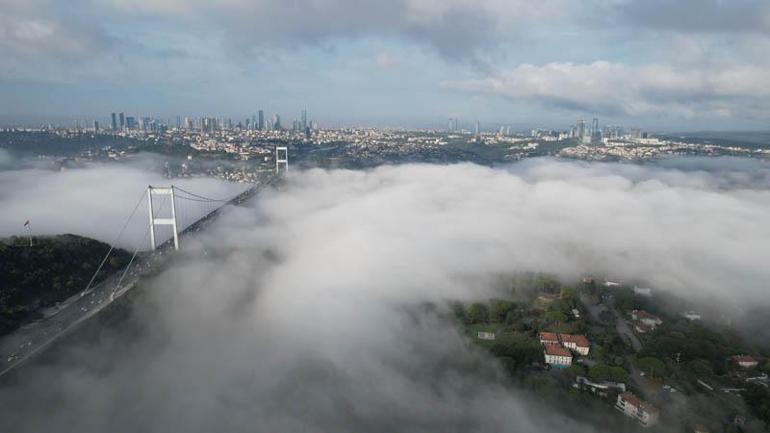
(549, 338)
(557, 356)
(578, 343)
(745, 361)
(645, 321)
(486, 335)
(643, 291)
(691, 315)
(633, 407)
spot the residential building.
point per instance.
(644, 321)
(549, 338)
(486, 335)
(557, 356)
(643, 291)
(691, 315)
(578, 343)
(633, 407)
(601, 389)
(745, 361)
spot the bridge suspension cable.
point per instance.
(117, 239)
(198, 197)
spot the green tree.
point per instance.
(652, 366)
(575, 370)
(478, 313)
(556, 317)
(499, 309)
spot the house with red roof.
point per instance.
(633, 407)
(557, 356)
(745, 361)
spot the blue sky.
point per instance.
(659, 64)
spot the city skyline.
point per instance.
(402, 63)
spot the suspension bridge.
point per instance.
(174, 215)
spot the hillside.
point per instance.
(53, 269)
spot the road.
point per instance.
(32, 338)
(594, 310)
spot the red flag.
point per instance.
(26, 223)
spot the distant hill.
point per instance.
(33, 143)
(53, 269)
(746, 139)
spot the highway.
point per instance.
(33, 338)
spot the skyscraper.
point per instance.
(580, 129)
(478, 128)
(114, 122)
(96, 126)
(304, 119)
(261, 125)
(122, 121)
(276, 121)
(596, 135)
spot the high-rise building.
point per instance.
(130, 122)
(96, 126)
(276, 121)
(178, 122)
(114, 123)
(596, 134)
(580, 129)
(122, 121)
(478, 128)
(261, 125)
(304, 119)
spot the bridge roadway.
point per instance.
(32, 338)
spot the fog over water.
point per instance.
(300, 311)
(94, 200)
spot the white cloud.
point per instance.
(94, 201)
(299, 316)
(617, 89)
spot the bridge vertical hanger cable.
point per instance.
(112, 245)
(136, 250)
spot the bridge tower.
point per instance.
(281, 159)
(151, 190)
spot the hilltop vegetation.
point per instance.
(51, 270)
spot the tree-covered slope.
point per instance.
(51, 270)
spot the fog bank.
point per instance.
(299, 312)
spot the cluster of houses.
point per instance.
(645, 322)
(558, 348)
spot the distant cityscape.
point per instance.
(245, 147)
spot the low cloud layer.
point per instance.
(93, 201)
(302, 313)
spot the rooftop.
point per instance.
(639, 403)
(579, 340)
(557, 350)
